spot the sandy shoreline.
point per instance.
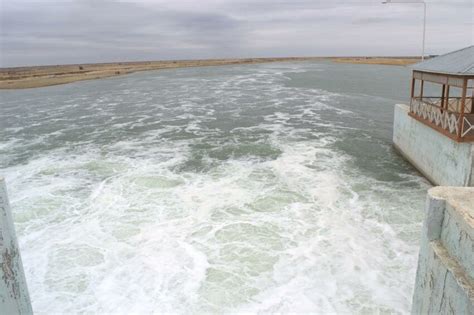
(40, 76)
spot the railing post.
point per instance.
(443, 97)
(472, 97)
(421, 90)
(14, 297)
(461, 115)
(446, 104)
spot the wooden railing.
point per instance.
(445, 116)
(453, 103)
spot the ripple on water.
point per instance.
(231, 189)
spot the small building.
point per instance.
(451, 111)
(435, 133)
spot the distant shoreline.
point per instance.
(41, 76)
(378, 60)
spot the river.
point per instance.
(251, 188)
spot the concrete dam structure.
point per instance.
(14, 296)
(444, 280)
(440, 159)
(436, 135)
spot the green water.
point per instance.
(256, 188)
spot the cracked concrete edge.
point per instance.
(14, 296)
(471, 176)
(434, 216)
(454, 268)
(461, 199)
(436, 262)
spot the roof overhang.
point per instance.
(444, 78)
(455, 63)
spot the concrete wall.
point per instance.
(14, 298)
(445, 275)
(441, 160)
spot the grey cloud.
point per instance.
(73, 31)
(370, 20)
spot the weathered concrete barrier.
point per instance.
(445, 275)
(440, 159)
(14, 297)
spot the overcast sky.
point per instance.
(78, 31)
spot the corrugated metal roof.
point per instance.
(459, 62)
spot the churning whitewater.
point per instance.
(256, 188)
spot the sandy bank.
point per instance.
(39, 76)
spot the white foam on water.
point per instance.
(135, 227)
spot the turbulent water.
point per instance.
(256, 188)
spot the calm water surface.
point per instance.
(256, 188)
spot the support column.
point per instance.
(14, 297)
(446, 105)
(412, 92)
(443, 97)
(421, 90)
(461, 115)
(472, 97)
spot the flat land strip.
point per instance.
(395, 61)
(39, 76)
